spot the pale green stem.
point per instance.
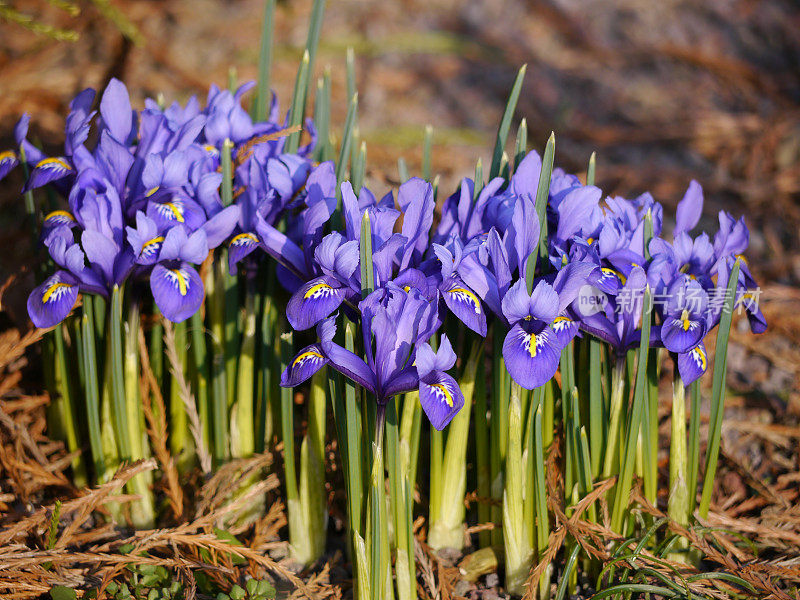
(678, 502)
(518, 550)
(447, 529)
(143, 509)
(611, 462)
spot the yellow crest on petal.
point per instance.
(317, 290)
(54, 291)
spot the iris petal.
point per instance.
(692, 364)
(177, 290)
(239, 247)
(313, 302)
(8, 160)
(465, 305)
(564, 329)
(307, 362)
(531, 358)
(51, 302)
(47, 170)
(681, 334)
(441, 398)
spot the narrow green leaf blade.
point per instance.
(505, 123)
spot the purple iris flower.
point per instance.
(61, 169)
(614, 318)
(459, 298)
(9, 158)
(540, 325)
(684, 314)
(396, 325)
(109, 261)
(336, 257)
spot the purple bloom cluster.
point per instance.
(145, 200)
(473, 265)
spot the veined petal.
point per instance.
(531, 358)
(313, 302)
(148, 255)
(47, 170)
(441, 398)
(177, 290)
(308, 361)
(692, 364)
(176, 211)
(465, 305)
(607, 280)
(57, 218)
(51, 302)
(565, 329)
(681, 333)
(8, 160)
(240, 246)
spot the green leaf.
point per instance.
(476, 191)
(590, 172)
(563, 585)
(521, 145)
(347, 140)
(635, 418)
(402, 169)
(505, 123)
(237, 593)
(61, 592)
(427, 144)
(718, 389)
(367, 272)
(634, 588)
(262, 98)
(298, 103)
(232, 540)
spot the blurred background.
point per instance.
(664, 92)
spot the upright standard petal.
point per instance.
(115, 108)
(689, 208)
(531, 358)
(177, 290)
(51, 302)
